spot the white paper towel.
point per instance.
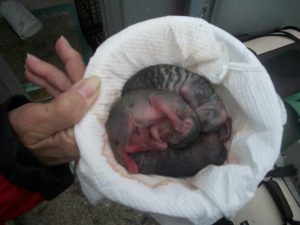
(246, 89)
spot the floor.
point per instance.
(70, 207)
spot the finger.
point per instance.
(49, 73)
(40, 82)
(73, 61)
(36, 121)
(68, 108)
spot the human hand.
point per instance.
(47, 129)
(49, 77)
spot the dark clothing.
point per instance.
(21, 174)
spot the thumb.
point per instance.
(68, 108)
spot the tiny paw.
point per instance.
(179, 126)
(161, 146)
(184, 126)
(130, 164)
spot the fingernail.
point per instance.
(64, 40)
(89, 87)
(33, 58)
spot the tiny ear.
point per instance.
(225, 130)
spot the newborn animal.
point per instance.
(150, 120)
(198, 93)
(208, 150)
(193, 88)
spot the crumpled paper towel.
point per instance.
(246, 89)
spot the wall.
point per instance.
(255, 16)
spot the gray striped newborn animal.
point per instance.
(150, 120)
(194, 89)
